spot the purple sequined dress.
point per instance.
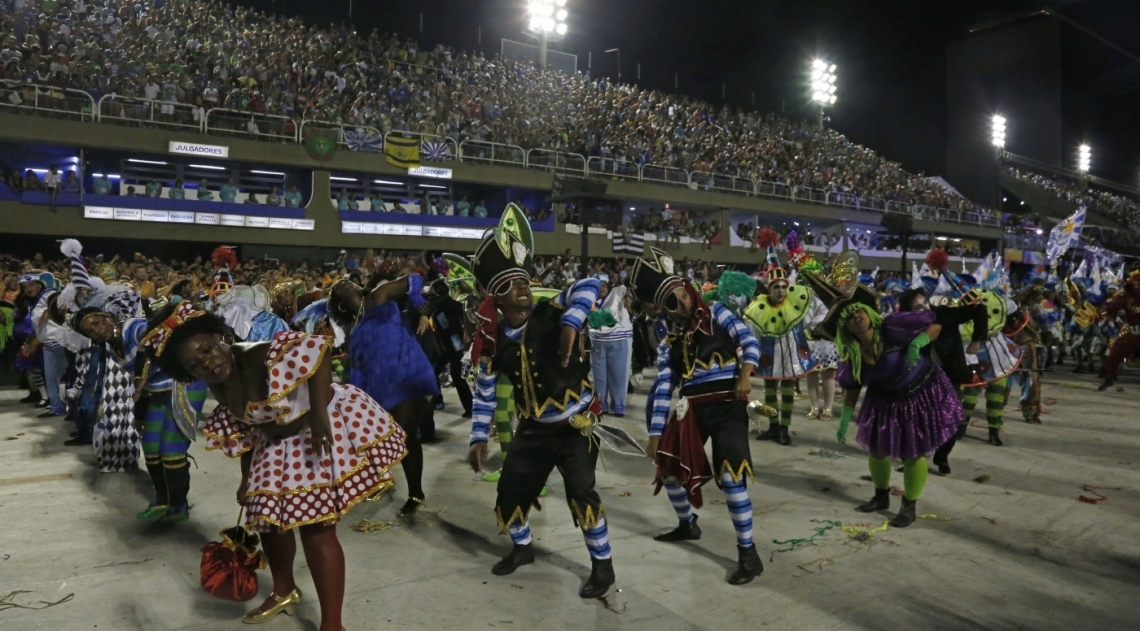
(906, 413)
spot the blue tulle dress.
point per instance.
(387, 361)
(905, 413)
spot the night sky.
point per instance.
(890, 56)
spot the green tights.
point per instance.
(995, 401)
(914, 475)
(787, 398)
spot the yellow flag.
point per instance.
(402, 152)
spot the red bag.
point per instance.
(229, 567)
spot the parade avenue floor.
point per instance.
(1039, 534)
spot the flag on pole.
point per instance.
(433, 151)
(1065, 235)
(402, 152)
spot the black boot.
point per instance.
(686, 531)
(906, 514)
(962, 427)
(748, 567)
(1106, 385)
(177, 481)
(34, 397)
(519, 556)
(772, 433)
(784, 438)
(601, 579)
(942, 455)
(1079, 370)
(995, 437)
(881, 501)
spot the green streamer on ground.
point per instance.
(819, 532)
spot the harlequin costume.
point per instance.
(785, 355)
(289, 486)
(909, 409)
(1126, 346)
(30, 357)
(699, 357)
(555, 404)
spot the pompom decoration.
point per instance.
(809, 265)
(71, 248)
(733, 283)
(793, 244)
(224, 256)
(440, 265)
(599, 318)
(768, 238)
(937, 260)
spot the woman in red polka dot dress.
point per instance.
(310, 449)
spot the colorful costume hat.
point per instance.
(504, 256)
(653, 280)
(836, 300)
(769, 239)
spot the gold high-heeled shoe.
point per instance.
(814, 414)
(825, 415)
(288, 605)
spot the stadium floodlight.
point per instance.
(823, 86)
(998, 131)
(546, 21)
(1084, 158)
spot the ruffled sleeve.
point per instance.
(901, 327)
(292, 359)
(845, 377)
(226, 433)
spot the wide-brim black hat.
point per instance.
(653, 280)
(505, 255)
(836, 300)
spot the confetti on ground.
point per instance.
(420, 518)
(934, 517)
(982, 479)
(819, 532)
(625, 494)
(6, 602)
(1097, 497)
(897, 492)
(863, 533)
(125, 563)
(989, 519)
(826, 453)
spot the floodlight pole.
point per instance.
(542, 40)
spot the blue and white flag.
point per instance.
(361, 140)
(1064, 235)
(433, 151)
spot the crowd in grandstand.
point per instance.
(193, 56)
(1115, 207)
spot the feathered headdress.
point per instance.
(224, 256)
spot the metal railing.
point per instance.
(127, 110)
(56, 102)
(609, 167)
(223, 122)
(487, 152)
(667, 175)
(452, 151)
(77, 104)
(555, 161)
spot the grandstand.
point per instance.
(131, 82)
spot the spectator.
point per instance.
(398, 208)
(463, 208)
(204, 194)
(481, 209)
(229, 191)
(52, 184)
(377, 203)
(251, 199)
(342, 199)
(352, 203)
(273, 199)
(153, 189)
(101, 184)
(32, 181)
(72, 183)
(293, 197)
(131, 192)
(178, 191)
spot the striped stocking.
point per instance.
(739, 508)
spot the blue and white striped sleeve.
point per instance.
(657, 412)
(578, 300)
(483, 404)
(740, 333)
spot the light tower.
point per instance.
(1084, 158)
(547, 23)
(822, 85)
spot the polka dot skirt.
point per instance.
(290, 485)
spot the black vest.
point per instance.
(541, 381)
(701, 349)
